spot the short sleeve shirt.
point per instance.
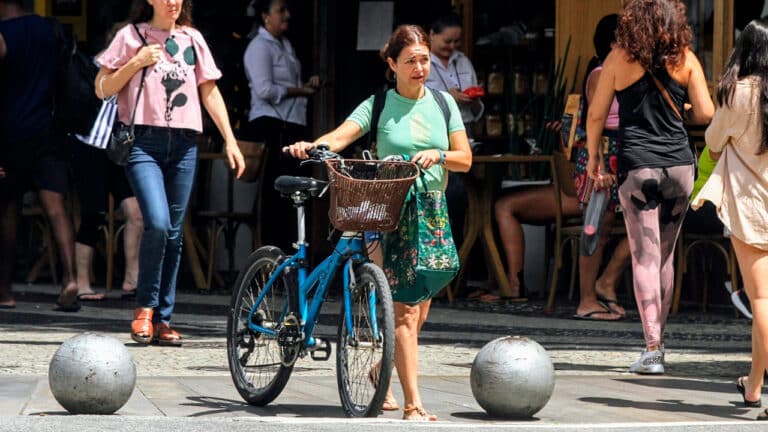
(170, 97)
(408, 126)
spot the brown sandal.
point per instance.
(417, 413)
(165, 335)
(141, 327)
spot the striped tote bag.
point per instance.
(102, 127)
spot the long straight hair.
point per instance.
(141, 11)
(749, 58)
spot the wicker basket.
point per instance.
(368, 195)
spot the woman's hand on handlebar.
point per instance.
(299, 149)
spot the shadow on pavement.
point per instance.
(213, 406)
(671, 405)
(482, 416)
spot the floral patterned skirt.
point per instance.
(581, 179)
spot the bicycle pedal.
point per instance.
(322, 350)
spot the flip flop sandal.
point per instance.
(490, 298)
(90, 296)
(474, 295)
(590, 316)
(607, 302)
(73, 307)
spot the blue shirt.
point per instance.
(28, 74)
(272, 67)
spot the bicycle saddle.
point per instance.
(290, 184)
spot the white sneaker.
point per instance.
(650, 362)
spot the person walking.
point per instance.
(30, 156)
(411, 123)
(178, 74)
(738, 187)
(652, 72)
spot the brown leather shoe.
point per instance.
(141, 327)
(165, 335)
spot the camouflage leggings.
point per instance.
(655, 201)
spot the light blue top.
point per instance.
(271, 67)
(458, 74)
(408, 126)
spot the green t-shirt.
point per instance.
(408, 126)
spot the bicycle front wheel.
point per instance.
(255, 358)
(364, 356)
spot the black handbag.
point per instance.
(123, 136)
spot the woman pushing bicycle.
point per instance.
(413, 122)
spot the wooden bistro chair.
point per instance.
(716, 242)
(567, 230)
(224, 222)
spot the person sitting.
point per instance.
(536, 204)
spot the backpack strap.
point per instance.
(378, 106)
(443, 104)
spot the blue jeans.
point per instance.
(161, 171)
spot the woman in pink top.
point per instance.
(738, 187)
(180, 74)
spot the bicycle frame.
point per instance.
(347, 251)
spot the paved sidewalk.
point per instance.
(593, 390)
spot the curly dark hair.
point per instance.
(655, 33)
(141, 11)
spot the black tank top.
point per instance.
(651, 134)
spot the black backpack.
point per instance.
(75, 103)
(378, 106)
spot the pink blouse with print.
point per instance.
(170, 97)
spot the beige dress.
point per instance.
(738, 187)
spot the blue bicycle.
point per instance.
(276, 299)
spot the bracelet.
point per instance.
(442, 157)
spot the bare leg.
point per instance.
(753, 264)
(529, 205)
(606, 283)
(131, 239)
(588, 269)
(84, 260)
(9, 211)
(53, 203)
(408, 320)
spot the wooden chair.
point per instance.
(567, 230)
(225, 222)
(686, 243)
(33, 211)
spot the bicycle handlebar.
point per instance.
(320, 153)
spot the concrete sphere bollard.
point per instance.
(92, 374)
(512, 377)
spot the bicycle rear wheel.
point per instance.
(362, 382)
(256, 359)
